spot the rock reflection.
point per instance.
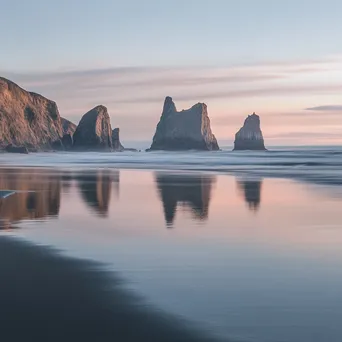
(188, 191)
(251, 191)
(96, 188)
(28, 196)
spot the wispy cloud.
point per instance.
(334, 108)
(136, 94)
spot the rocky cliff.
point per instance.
(117, 146)
(68, 127)
(249, 137)
(27, 119)
(94, 132)
(184, 130)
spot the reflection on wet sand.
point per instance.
(96, 187)
(251, 190)
(47, 297)
(189, 191)
(28, 196)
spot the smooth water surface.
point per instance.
(245, 258)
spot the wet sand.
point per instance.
(47, 297)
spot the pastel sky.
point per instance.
(281, 59)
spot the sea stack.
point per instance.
(185, 130)
(94, 132)
(28, 120)
(68, 127)
(249, 137)
(117, 146)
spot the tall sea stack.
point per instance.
(94, 132)
(28, 119)
(249, 137)
(185, 130)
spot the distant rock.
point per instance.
(249, 137)
(116, 140)
(94, 132)
(185, 130)
(17, 149)
(68, 127)
(27, 119)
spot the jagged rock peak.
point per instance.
(27, 119)
(94, 132)
(185, 130)
(117, 146)
(250, 137)
(169, 105)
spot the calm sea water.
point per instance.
(243, 246)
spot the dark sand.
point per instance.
(47, 297)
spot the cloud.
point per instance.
(332, 108)
(136, 94)
(305, 135)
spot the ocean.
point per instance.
(238, 246)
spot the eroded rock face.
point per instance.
(68, 127)
(67, 141)
(185, 130)
(117, 146)
(94, 132)
(249, 137)
(27, 119)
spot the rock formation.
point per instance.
(16, 149)
(68, 127)
(249, 137)
(116, 140)
(27, 119)
(185, 130)
(94, 132)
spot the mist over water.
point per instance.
(317, 164)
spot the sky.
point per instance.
(280, 59)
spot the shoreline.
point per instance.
(49, 297)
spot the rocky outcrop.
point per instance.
(117, 146)
(94, 132)
(67, 141)
(249, 137)
(27, 119)
(68, 127)
(16, 149)
(185, 130)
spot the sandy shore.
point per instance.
(47, 297)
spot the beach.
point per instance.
(93, 248)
